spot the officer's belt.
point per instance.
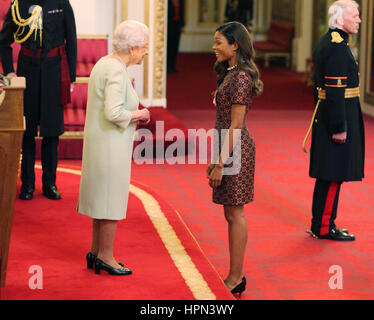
(65, 96)
(349, 93)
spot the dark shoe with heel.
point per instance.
(27, 192)
(90, 258)
(240, 288)
(101, 265)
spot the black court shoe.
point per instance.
(101, 265)
(90, 258)
(240, 287)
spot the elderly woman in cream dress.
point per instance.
(112, 115)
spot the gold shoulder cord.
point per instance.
(35, 22)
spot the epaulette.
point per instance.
(336, 37)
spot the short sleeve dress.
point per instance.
(235, 189)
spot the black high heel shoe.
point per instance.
(101, 265)
(240, 287)
(90, 258)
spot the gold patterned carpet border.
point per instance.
(191, 275)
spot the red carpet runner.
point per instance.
(282, 261)
(153, 242)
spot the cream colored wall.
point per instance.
(101, 17)
(94, 16)
(150, 77)
(199, 38)
(136, 11)
(302, 43)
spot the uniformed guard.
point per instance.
(338, 141)
(46, 31)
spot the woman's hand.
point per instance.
(209, 170)
(11, 75)
(340, 138)
(145, 116)
(215, 177)
(142, 115)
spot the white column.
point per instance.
(102, 16)
(302, 44)
(150, 77)
(262, 16)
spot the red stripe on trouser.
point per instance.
(327, 212)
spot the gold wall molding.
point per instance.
(146, 59)
(93, 36)
(124, 10)
(160, 7)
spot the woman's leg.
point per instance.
(95, 236)
(106, 238)
(238, 234)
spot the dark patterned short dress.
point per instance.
(235, 189)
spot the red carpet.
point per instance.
(55, 237)
(191, 88)
(282, 261)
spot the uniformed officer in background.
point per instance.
(47, 34)
(338, 141)
(175, 28)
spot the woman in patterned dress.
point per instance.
(231, 175)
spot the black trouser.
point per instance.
(174, 35)
(49, 160)
(325, 205)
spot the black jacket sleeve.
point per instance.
(336, 73)
(181, 12)
(71, 39)
(6, 39)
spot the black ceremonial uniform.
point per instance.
(175, 26)
(48, 62)
(337, 90)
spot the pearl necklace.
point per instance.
(232, 68)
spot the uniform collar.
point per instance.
(343, 34)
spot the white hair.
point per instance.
(337, 11)
(129, 34)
